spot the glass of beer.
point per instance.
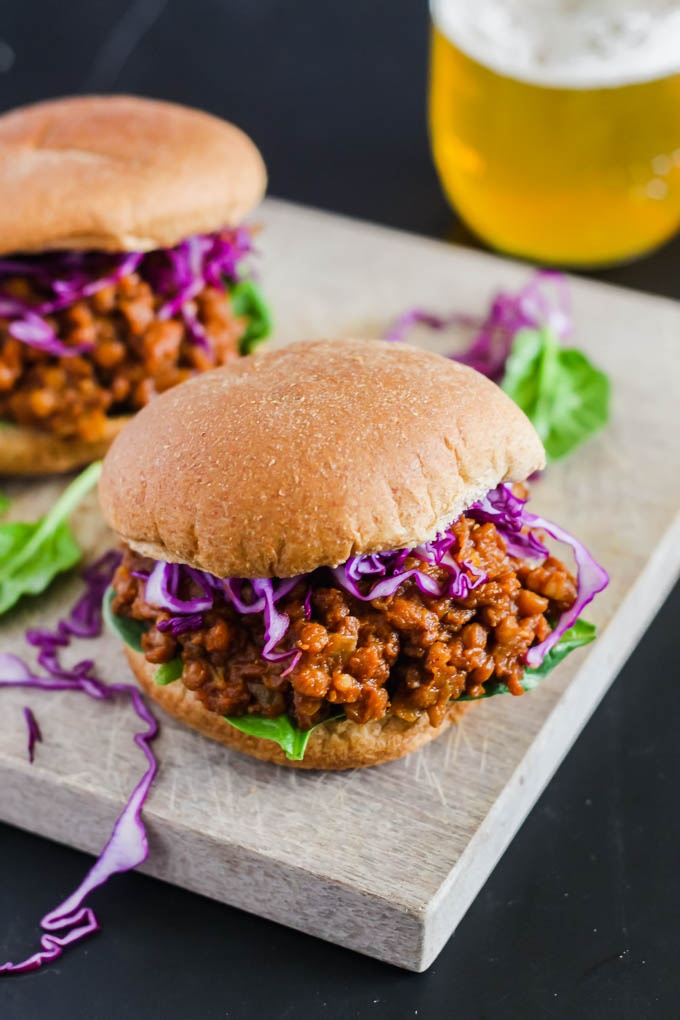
(555, 124)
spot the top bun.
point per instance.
(288, 460)
(120, 173)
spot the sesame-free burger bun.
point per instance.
(334, 745)
(25, 451)
(288, 460)
(120, 173)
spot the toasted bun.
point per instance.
(120, 173)
(288, 460)
(339, 744)
(25, 451)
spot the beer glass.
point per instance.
(555, 124)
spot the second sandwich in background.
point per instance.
(122, 266)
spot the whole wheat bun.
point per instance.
(25, 451)
(287, 460)
(335, 745)
(120, 173)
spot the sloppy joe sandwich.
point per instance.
(123, 266)
(324, 558)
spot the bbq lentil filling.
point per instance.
(135, 356)
(408, 655)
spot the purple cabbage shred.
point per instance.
(127, 846)
(543, 301)
(176, 274)
(181, 624)
(507, 512)
(34, 734)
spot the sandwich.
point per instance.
(325, 557)
(123, 267)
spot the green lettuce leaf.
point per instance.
(292, 740)
(248, 302)
(582, 633)
(5, 504)
(559, 390)
(31, 555)
(168, 672)
(130, 633)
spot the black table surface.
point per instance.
(580, 918)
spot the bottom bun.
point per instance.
(338, 744)
(25, 451)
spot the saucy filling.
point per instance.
(135, 355)
(407, 654)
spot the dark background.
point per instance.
(580, 918)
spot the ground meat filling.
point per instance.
(407, 655)
(136, 355)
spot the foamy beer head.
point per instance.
(555, 124)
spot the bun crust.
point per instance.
(284, 461)
(335, 745)
(25, 451)
(120, 173)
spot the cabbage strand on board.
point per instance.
(519, 346)
(543, 301)
(33, 732)
(127, 846)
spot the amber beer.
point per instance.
(555, 124)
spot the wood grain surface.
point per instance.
(386, 860)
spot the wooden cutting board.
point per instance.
(385, 861)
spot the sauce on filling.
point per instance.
(136, 355)
(407, 655)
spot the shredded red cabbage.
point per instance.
(375, 576)
(127, 846)
(166, 580)
(262, 595)
(386, 571)
(177, 274)
(592, 578)
(34, 734)
(543, 301)
(162, 585)
(181, 624)
(507, 512)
